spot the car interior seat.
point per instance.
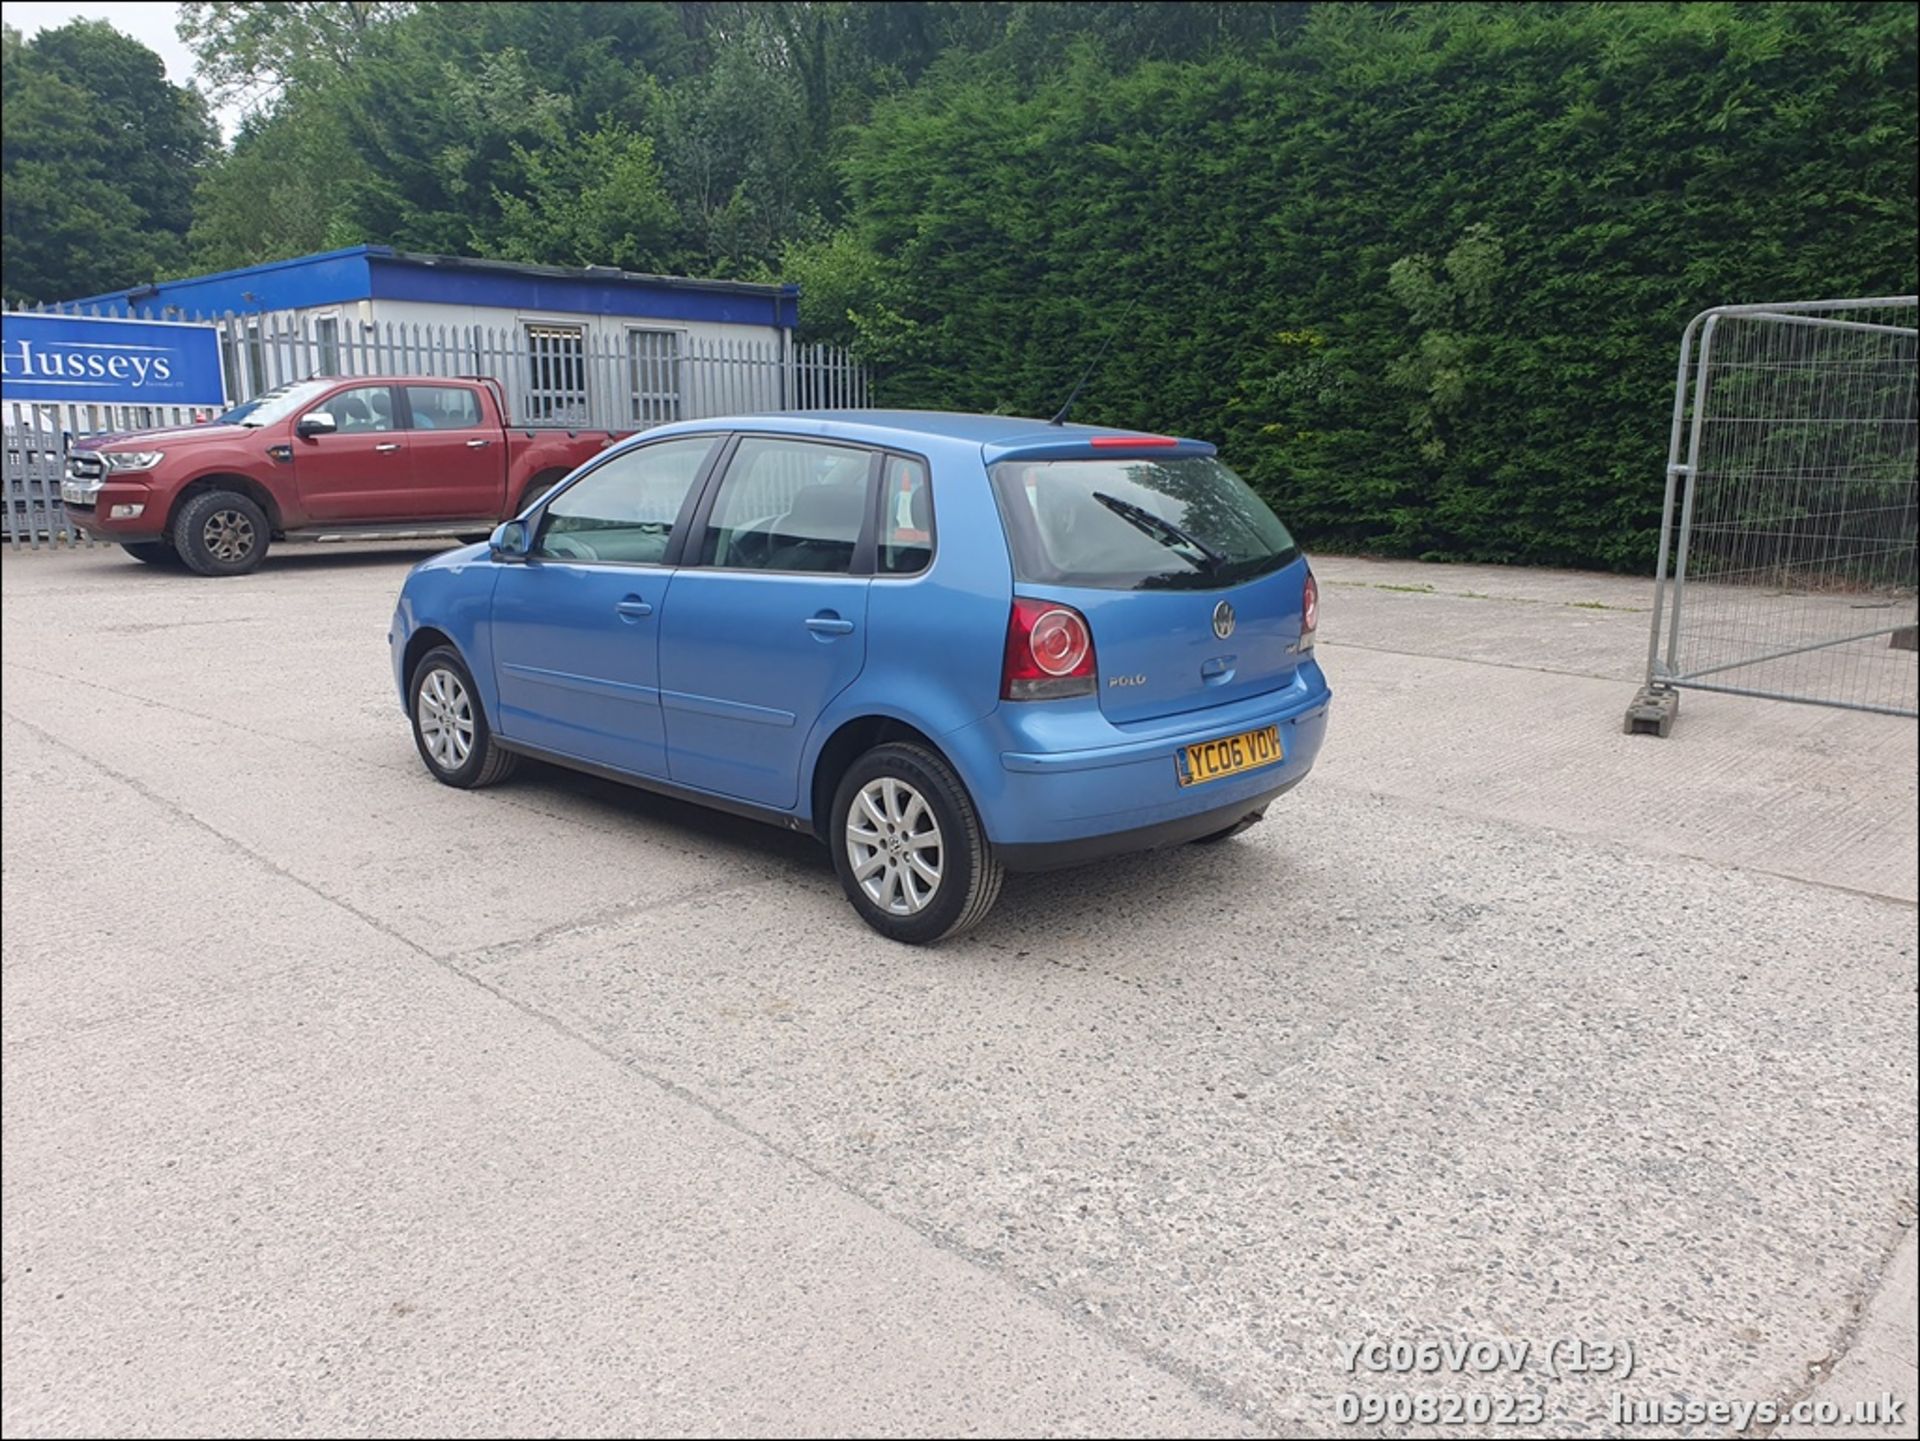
(351, 414)
(820, 527)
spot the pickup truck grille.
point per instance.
(84, 465)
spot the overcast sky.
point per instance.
(150, 23)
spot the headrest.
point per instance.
(829, 510)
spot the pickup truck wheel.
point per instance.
(909, 847)
(221, 532)
(153, 552)
(450, 728)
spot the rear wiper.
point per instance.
(1143, 519)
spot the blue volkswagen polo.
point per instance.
(948, 645)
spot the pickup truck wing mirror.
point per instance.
(511, 540)
(316, 422)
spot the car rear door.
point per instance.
(361, 471)
(458, 456)
(576, 626)
(768, 617)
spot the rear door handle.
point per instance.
(478, 444)
(829, 625)
(388, 445)
(633, 606)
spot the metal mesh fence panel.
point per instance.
(1787, 566)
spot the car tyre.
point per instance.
(537, 489)
(153, 552)
(221, 532)
(899, 813)
(450, 727)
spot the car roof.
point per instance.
(998, 435)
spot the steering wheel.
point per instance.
(562, 545)
(751, 547)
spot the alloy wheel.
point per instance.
(445, 712)
(894, 844)
(228, 536)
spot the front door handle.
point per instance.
(829, 624)
(478, 444)
(632, 607)
(389, 445)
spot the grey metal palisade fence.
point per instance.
(551, 375)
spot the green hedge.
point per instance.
(1420, 271)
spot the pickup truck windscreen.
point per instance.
(275, 404)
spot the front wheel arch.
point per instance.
(418, 644)
(239, 484)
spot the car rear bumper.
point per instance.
(1048, 803)
(1056, 855)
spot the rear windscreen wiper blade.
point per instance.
(1143, 519)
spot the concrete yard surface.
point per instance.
(337, 1101)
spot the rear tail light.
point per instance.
(1309, 611)
(1049, 652)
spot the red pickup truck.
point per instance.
(367, 457)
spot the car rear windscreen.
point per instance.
(1179, 522)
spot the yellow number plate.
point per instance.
(1228, 756)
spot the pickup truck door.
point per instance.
(360, 472)
(576, 626)
(458, 454)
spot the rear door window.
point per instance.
(789, 505)
(1118, 524)
(443, 407)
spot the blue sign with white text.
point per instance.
(85, 360)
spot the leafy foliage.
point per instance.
(1588, 176)
(99, 156)
(1419, 269)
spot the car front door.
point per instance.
(576, 625)
(360, 472)
(459, 461)
(768, 617)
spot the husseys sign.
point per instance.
(87, 360)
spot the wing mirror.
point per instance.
(510, 541)
(316, 422)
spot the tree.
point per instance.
(100, 155)
(596, 199)
(250, 53)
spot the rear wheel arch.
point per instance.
(541, 483)
(851, 740)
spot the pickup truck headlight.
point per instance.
(124, 460)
